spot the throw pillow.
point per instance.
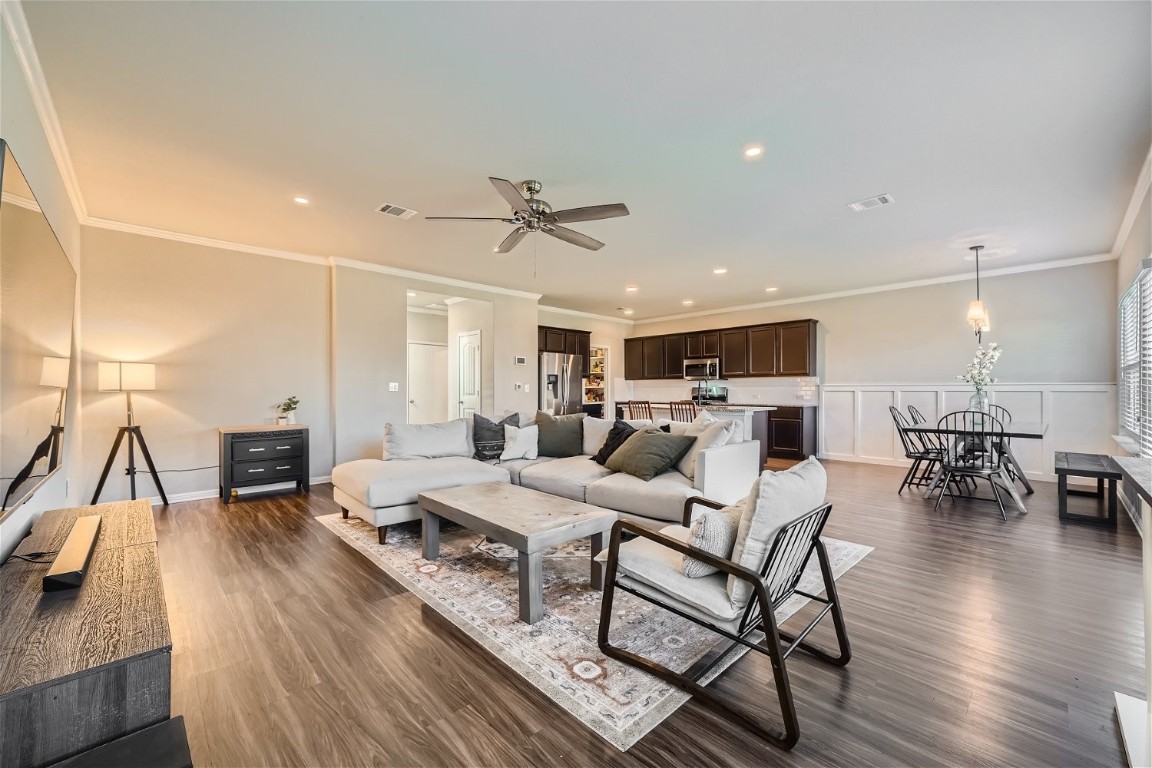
(488, 435)
(777, 499)
(426, 441)
(595, 433)
(620, 432)
(715, 533)
(520, 442)
(710, 436)
(561, 436)
(648, 453)
(674, 427)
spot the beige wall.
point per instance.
(427, 328)
(465, 316)
(1136, 248)
(21, 128)
(1056, 325)
(231, 334)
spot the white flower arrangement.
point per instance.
(979, 372)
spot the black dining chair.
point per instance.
(924, 459)
(1001, 413)
(917, 417)
(973, 452)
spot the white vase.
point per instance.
(281, 419)
(291, 415)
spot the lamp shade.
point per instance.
(125, 377)
(54, 372)
(976, 312)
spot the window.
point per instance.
(1134, 383)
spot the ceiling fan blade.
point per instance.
(509, 192)
(468, 218)
(574, 237)
(512, 240)
(588, 213)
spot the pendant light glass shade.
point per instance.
(976, 313)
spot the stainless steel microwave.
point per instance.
(702, 369)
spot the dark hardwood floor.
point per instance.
(976, 642)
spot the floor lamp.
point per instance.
(128, 378)
(53, 373)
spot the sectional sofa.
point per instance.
(384, 491)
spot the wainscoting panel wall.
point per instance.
(856, 424)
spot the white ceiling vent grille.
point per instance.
(871, 202)
(397, 211)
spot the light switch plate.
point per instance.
(527, 388)
(393, 386)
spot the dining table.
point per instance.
(1023, 430)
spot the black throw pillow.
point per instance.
(666, 428)
(620, 432)
(488, 435)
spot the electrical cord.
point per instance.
(33, 557)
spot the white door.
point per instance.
(468, 348)
(427, 383)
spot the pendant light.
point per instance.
(977, 314)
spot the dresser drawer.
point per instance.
(248, 450)
(267, 471)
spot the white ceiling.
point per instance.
(1023, 125)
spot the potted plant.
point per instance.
(979, 375)
(287, 410)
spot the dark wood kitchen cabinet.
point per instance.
(633, 359)
(792, 432)
(734, 353)
(565, 341)
(703, 344)
(796, 349)
(674, 347)
(653, 358)
(762, 351)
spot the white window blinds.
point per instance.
(1135, 357)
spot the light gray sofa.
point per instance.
(384, 492)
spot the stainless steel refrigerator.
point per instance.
(561, 390)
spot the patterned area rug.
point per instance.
(474, 585)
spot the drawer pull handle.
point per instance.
(256, 470)
(283, 447)
(287, 466)
(255, 450)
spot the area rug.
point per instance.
(474, 585)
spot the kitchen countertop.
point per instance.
(712, 406)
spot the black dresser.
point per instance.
(263, 455)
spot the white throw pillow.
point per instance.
(520, 442)
(638, 423)
(703, 418)
(777, 498)
(426, 441)
(714, 532)
(595, 433)
(709, 436)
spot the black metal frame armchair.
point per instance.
(790, 552)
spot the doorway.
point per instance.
(427, 382)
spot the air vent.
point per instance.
(397, 211)
(871, 202)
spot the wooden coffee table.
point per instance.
(526, 520)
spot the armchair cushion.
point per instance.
(777, 499)
(658, 567)
(714, 532)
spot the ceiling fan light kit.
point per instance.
(531, 214)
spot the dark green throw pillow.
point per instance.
(561, 436)
(488, 435)
(620, 432)
(649, 452)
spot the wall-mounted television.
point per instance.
(37, 298)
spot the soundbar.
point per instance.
(71, 563)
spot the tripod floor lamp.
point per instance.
(53, 373)
(128, 378)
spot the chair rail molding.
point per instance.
(855, 424)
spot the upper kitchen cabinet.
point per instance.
(734, 353)
(634, 359)
(703, 344)
(565, 341)
(674, 347)
(654, 358)
(762, 351)
(796, 348)
(554, 340)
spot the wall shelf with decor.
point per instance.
(596, 382)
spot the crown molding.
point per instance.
(427, 311)
(427, 278)
(1040, 267)
(589, 315)
(1143, 181)
(22, 202)
(208, 242)
(21, 37)
(450, 300)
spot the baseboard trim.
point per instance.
(176, 498)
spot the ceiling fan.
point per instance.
(531, 214)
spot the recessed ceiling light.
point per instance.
(629, 311)
(771, 288)
(632, 289)
(687, 302)
(720, 271)
(300, 200)
(411, 293)
(625, 310)
(753, 152)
